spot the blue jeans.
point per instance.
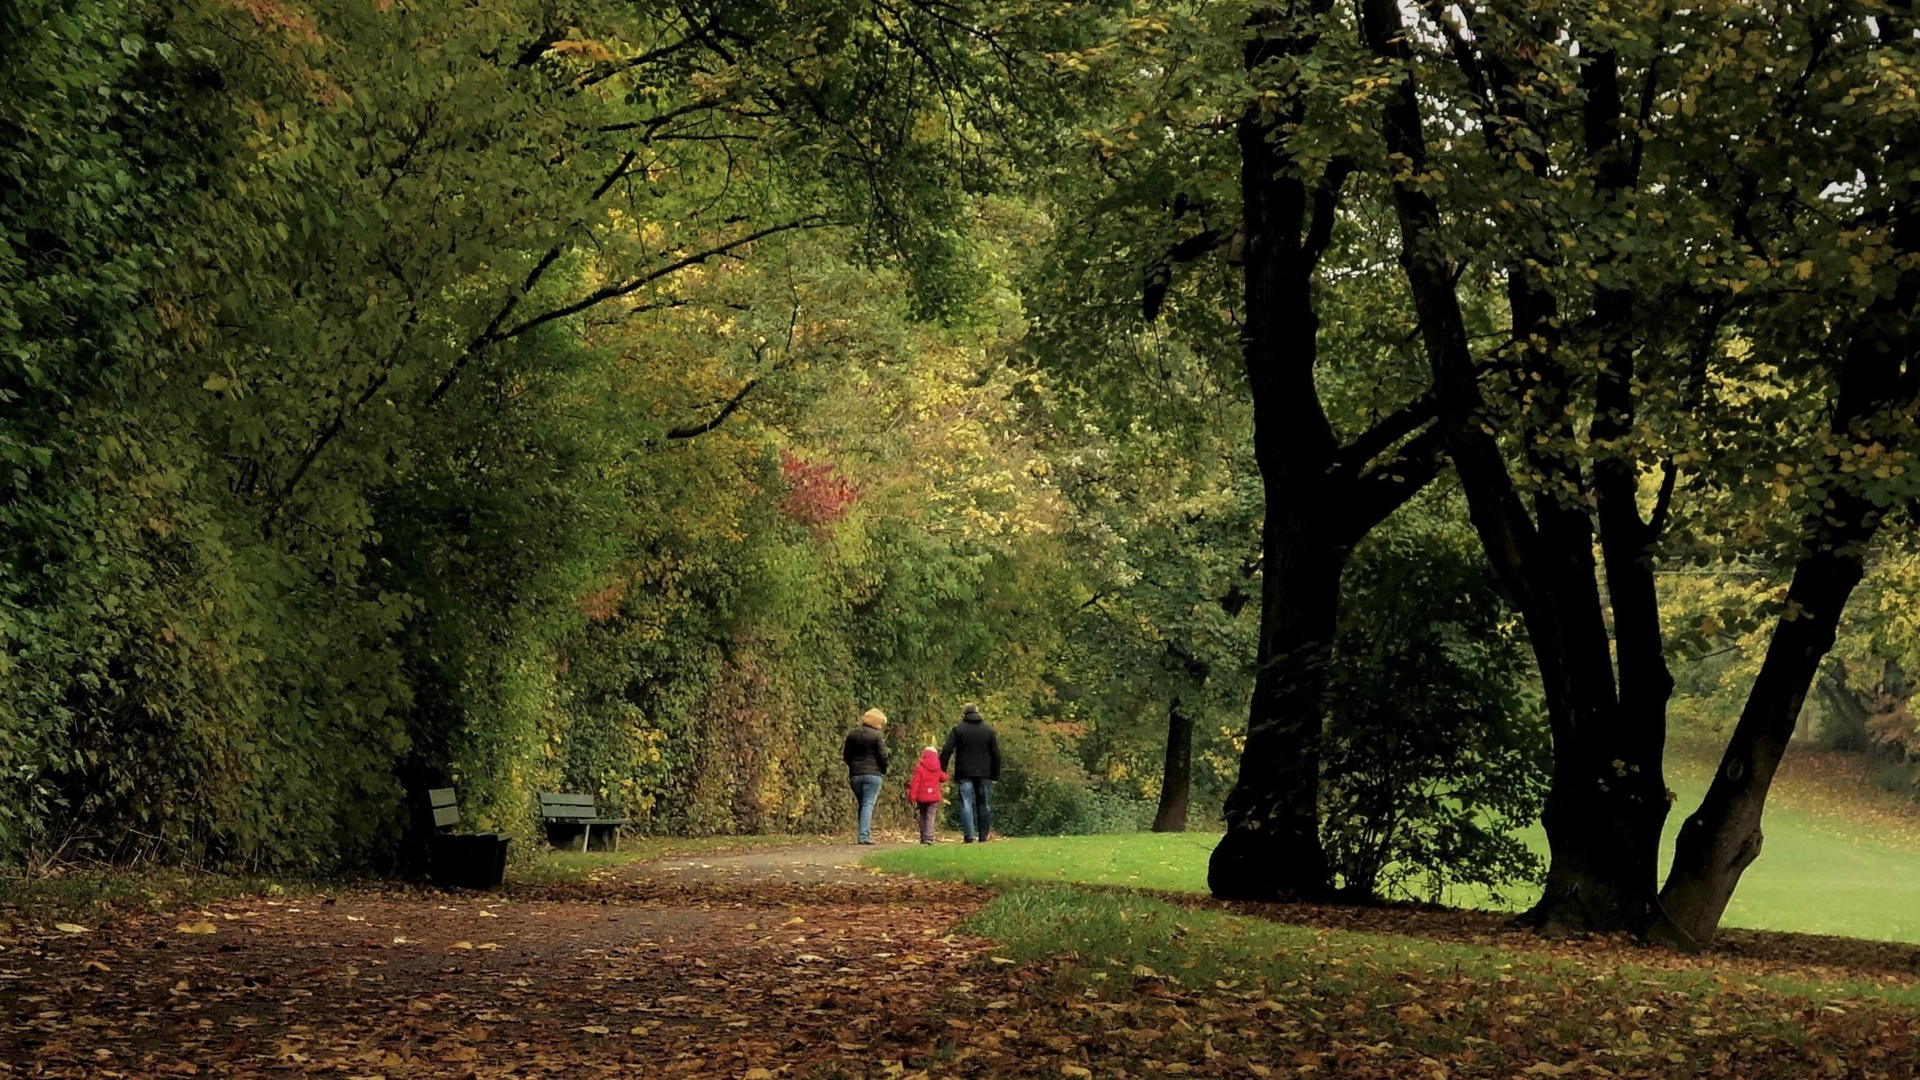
(975, 805)
(866, 791)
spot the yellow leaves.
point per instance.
(72, 928)
(584, 49)
(201, 927)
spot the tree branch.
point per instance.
(634, 284)
(732, 405)
(1326, 200)
(1663, 502)
(1390, 429)
(538, 47)
(1384, 489)
(1159, 276)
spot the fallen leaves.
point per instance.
(200, 927)
(682, 982)
(666, 977)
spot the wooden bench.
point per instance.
(463, 860)
(573, 815)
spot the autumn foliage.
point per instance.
(817, 494)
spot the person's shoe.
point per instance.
(968, 840)
(867, 842)
(926, 843)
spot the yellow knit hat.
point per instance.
(874, 718)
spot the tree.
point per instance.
(1614, 323)
(1206, 163)
(275, 278)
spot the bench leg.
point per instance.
(586, 834)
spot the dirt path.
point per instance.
(778, 963)
(826, 864)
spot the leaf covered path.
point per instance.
(795, 963)
(668, 972)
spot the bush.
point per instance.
(1044, 791)
(1435, 748)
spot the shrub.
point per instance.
(1435, 749)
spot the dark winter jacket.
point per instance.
(972, 751)
(865, 752)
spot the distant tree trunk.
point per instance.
(1848, 708)
(1176, 777)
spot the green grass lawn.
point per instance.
(1408, 1004)
(1818, 874)
(1176, 862)
(1491, 1004)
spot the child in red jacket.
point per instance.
(923, 790)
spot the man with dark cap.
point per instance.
(972, 757)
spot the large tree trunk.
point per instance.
(1877, 386)
(1721, 839)
(1176, 775)
(1272, 847)
(1606, 800)
(1321, 497)
(1848, 708)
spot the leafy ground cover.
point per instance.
(784, 963)
(1461, 995)
(80, 893)
(1840, 856)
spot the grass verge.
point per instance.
(1160, 989)
(1168, 862)
(84, 895)
(1836, 860)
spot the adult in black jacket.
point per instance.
(972, 757)
(865, 753)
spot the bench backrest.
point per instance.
(446, 809)
(567, 805)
